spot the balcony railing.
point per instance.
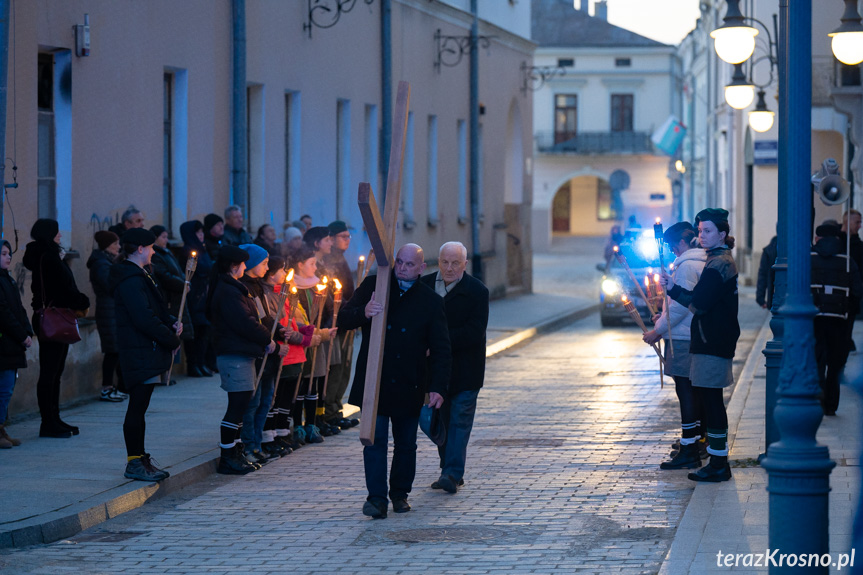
(595, 143)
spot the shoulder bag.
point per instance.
(57, 324)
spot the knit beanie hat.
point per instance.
(292, 233)
(211, 220)
(158, 230)
(314, 235)
(257, 254)
(138, 237)
(104, 238)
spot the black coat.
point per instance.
(416, 323)
(171, 279)
(467, 318)
(237, 329)
(100, 264)
(14, 325)
(145, 332)
(59, 282)
(196, 300)
(828, 262)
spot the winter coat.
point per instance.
(713, 302)
(171, 279)
(43, 261)
(236, 237)
(687, 271)
(196, 299)
(764, 288)
(14, 325)
(212, 246)
(467, 320)
(416, 324)
(145, 332)
(100, 264)
(828, 263)
(237, 327)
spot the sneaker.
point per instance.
(313, 434)
(300, 435)
(110, 394)
(136, 469)
(150, 465)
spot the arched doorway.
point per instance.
(586, 205)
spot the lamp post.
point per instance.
(798, 467)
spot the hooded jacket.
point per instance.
(100, 264)
(14, 326)
(171, 279)
(687, 271)
(42, 258)
(145, 334)
(196, 300)
(713, 303)
(828, 262)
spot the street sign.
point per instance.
(766, 153)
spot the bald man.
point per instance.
(416, 361)
(466, 302)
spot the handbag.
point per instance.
(432, 425)
(56, 324)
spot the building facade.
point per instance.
(146, 118)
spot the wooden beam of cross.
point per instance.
(382, 235)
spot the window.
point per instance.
(167, 152)
(462, 171)
(432, 171)
(46, 170)
(292, 154)
(565, 62)
(606, 207)
(623, 62)
(343, 155)
(848, 75)
(565, 117)
(408, 180)
(255, 189)
(621, 112)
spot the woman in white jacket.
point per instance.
(676, 320)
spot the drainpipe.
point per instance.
(386, 92)
(239, 178)
(476, 268)
(4, 70)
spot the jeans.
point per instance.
(457, 412)
(404, 466)
(260, 404)
(7, 385)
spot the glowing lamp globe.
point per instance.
(848, 47)
(739, 97)
(761, 121)
(734, 44)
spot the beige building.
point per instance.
(146, 119)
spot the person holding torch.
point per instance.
(674, 323)
(715, 330)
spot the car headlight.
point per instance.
(610, 287)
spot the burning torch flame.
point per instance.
(656, 279)
(658, 221)
(362, 258)
(194, 254)
(338, 285)
(646, 281)
(324, 280)
(616, 249)
(294, 290)
(290, 275)
(624, 299)
(320, 288)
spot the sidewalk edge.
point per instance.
(541, 328)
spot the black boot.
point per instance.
(687, 457)
(716, 471)
(232, 462)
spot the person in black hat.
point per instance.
(214, 229)
(147, 336)
(835, 293)
(52, 284)
(674, 324)
(713, 302)
(239, 338)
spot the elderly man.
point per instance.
(466, 302)
(235, 234)
(131, 218)
(416, 326)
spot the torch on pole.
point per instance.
(337, 302)
(191, 266)
(283, 294)
(623, 262)
(633, 313)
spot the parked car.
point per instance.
(642, 255)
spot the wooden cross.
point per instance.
(382, 235)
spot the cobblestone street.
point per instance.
(562, 477)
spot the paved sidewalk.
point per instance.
(54, 488)
(732, 517)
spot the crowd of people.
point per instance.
(260, 313)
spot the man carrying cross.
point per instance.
(416, 360)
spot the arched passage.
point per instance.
(585, 206)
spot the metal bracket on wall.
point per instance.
(326, 13)
(451, 49)
(534, 77)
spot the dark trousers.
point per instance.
(340, 378)
(457, 412)
(134, 426)
(404, 464)
(831, 351)
(52, 360)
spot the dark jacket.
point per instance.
(145, 334)
(416, 323)
(467, 318)
(857, 258)
(100, 264)
(43, 258)
(764, 288)
(237, 329)
(828, 262)
(236, 237)
(14, 325)
(171, 279)
(212, 245)
(196, 300)
(713, 302)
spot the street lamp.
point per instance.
(761, 118)
(734, 41)
(740, 92)
(847, 41)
